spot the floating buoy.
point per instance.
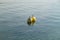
(31, 20)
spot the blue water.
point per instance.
(13, 16)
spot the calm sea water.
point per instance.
(13, 16)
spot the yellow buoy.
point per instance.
(31, 20)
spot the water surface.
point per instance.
(13, 16)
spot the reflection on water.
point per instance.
(13, 16)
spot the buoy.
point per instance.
(31, 20)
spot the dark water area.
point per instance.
(13, 16)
